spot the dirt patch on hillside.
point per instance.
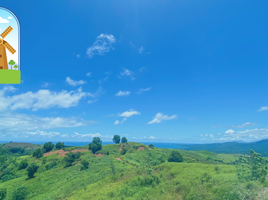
(140, 148)
(98, 155)
(118, 159)
(61, 152)
(120, 148)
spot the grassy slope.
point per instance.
(177, 180)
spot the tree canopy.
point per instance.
(48, 146)
(59, 145)
(175, 156)
(95, 145)
(32, 169)
(124, 140)
(116, 139)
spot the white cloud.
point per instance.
(105, 78)
(141, 69)
(45, 84)
(219, 133)
(152, 137)
(2, 20)
(141, 49)
(206, 135)
(129, 113)
(160, 117)
(88, 74)
(132, 44)
(244, 125)
(90, 135)
(230, 131)
(116, 122)
(78, 55)
(122, 93)
(92, 101)
(102, 45)
(263, 108)
(42, 99)
(211, 135)
(14, 123)
(201, 135)
(123, 120)
(127, 72)
(216, 126)
(74, 83)
(144, 90)
(9, 17)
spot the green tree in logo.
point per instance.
(16, 66)
(11, 62)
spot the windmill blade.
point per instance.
(9, 47)
(6, 32)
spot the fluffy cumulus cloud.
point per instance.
(152, 137)
(88, 74)
(74, 83)
(16, 124)
(2, 20)
(230, 131)
(102, 45)
(118, 122)
(244, 125)
(159, 117)
(43, 134)
(144, 90)
(122, 93)
(263, 108)
(42, 99)
(128, 73)
(129, 113)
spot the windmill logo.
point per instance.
(10, 72)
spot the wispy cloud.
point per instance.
(159, 117)
(88, 74)
(92, 101)
(45, 84)
(152, 137)
(244, 125)
(144, 90)
(263, 108)
(42, 99)
(78, 55)
(102, 45)
(127, 72)
(101, 81)
(129, 113)
(141, 50)
(2, 20)
(216, 126)
(141, 69)
(132, 44)
(90, 135)
(74, 83)
(117, 121)
(122, 93)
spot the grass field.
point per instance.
(10, 76)
(139, 174)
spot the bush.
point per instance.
(23, 164)
(44, 161)
(3, 193)
(70, 158)
(32, 169)
(116, 139)
(59, 145)
(217, 169)
(107, 153)
(7, 177)
(151, 146)
(38, 153)
(20, 193)
(85, 164)
(51, 165)
(124, 140)
(124, 151)
(175, 156)
(48, 146)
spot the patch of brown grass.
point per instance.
(140, 148)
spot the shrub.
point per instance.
(70, 158)
(48, 146)
(23, 164)
(217, 169)
(151, 146)
(107, 153)
(85, 164)
(124, 151)
(7, 177)
(20, 193)
(175, 156)
(3, 193)
(38, 153)
(116, 139)
(32, 169)
(51, 165)
(124, 140)
(59, 145)
(44, 161)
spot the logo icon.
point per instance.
(9, 47)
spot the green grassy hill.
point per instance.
(141, 173)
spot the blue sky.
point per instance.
(156, 70)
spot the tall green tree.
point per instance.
(11, 62)
(60, 145)
(116, 139)
(124, 140)
(23, 164)
(38, 153)
(48, 146)
(32, 169)
(95, 145)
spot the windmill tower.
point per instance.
(3, 46)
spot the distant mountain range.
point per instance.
(231, 147)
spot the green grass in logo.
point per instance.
(9, 76)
